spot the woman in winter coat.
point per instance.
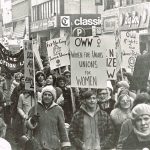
(139, 138)
(121, 112)
(48, 126)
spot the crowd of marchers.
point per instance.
(60, 117)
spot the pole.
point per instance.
(34, 83)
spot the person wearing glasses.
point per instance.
(105, 101)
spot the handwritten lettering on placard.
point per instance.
(28, 65)
(130, 48)
(58, 52)
(88, 63)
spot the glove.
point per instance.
(35, 119)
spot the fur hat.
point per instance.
(140, 109)
(50, 89)
(4, 145)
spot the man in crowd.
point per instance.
(91, 128)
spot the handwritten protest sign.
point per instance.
(88, 62)
(130, 49)
(28, 65)
(58, 53)
(110, 56)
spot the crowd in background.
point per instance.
(59, 116)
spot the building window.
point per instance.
(43, 11)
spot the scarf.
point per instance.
(142, 137)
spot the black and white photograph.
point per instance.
(74, 74)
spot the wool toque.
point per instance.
(140, 109)
(50, 89)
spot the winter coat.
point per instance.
(25, 103)
(105, 129)
(107, 105)
(126, 129)
(14, 99)
(13, 85)
(118, 117)
(141, 72)
(50, 132)
(132, 143)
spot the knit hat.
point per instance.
(140, 109)
(66, 71)
(4, 145)
(124, 84)
(50, 89)
(37, 75)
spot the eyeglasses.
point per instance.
(103, 93)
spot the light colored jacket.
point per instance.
(25, 103)
(50, 132)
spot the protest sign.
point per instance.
(28, 65)
(110, 56)
(130, 49)
(88, 62)
(58, 52)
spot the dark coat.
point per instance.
(105, 128)
(14, 99)
(132, 143)
(141, 72)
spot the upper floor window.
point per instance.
(42, 11)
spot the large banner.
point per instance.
(58, 52)
(130, 49)
(11, 63)
(28, 65)
(88, 62)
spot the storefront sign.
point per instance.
(134, 17)
(88, 62)
(44, 24)
(80, 20)
(109, 24)
(79, 32)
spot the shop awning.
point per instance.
(19, 30)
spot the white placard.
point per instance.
(28, 65)
(130, 49)
(58, 52)
(88, 62)
(109, 42)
